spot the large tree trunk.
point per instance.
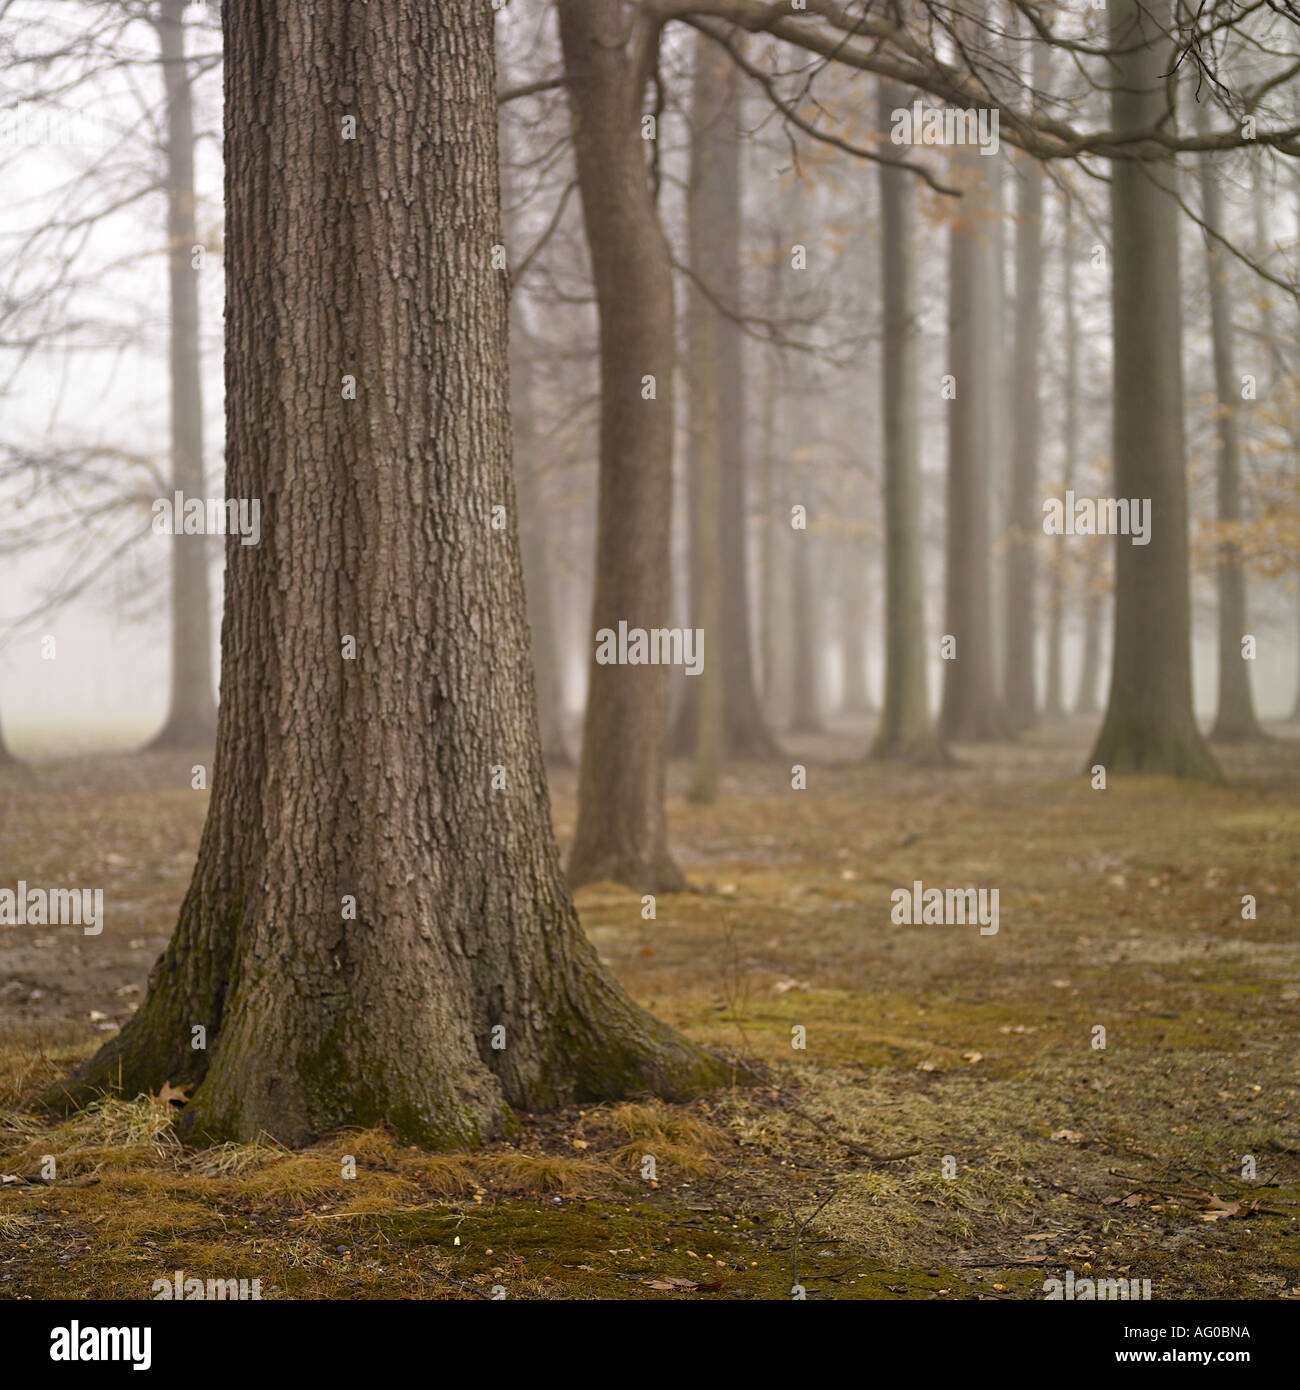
(622, 831)
(407, 781)
(971, 707)
(1235, 722)
(1149, 725)
(192, 715)
(715, 212)
(1024, 518)
(534, 545)
(905, 731)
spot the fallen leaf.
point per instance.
(170, 1093)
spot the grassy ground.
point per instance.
(949, 1130)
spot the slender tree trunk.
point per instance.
(6, 757)
(1090, 655)
(534, 545)
(709, 714)
(1054, 695)
(805, 652)
(1024, 515)
(1086, 695)
(906, 732)
(685, 717)
(715, 209)
(1150, 725)
(191, 718)
(993, 226)
(971, 707)
(1235, 722)
(1277, 360)
(770, 588)
(804, 649)
(378, 930)
(622, 831)
(855, 597)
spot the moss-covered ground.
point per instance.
(951, 1129)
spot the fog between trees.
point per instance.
(927, 371)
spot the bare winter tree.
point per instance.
(377, 929)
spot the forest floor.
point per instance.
(949, 1131)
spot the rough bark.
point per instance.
(906, 731)
(971, 707)
(1150, 725)
(373, 778)
(1235, 721)
(191, 717)
(622, 831)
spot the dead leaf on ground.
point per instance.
(171, 1093)
(689, 1285)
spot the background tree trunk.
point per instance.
(905, 731)
(534, 545)
(709, 713)
(1024, 516)
(855, 599)
(1235, 721)
(716, 211)
(1054, 693)
(408, 780)
(1090, 650)
(192, 715)
(971, 708)
(1149, 725)
(622, 831)
(805, 647)
(772, 651)
(805, 653)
